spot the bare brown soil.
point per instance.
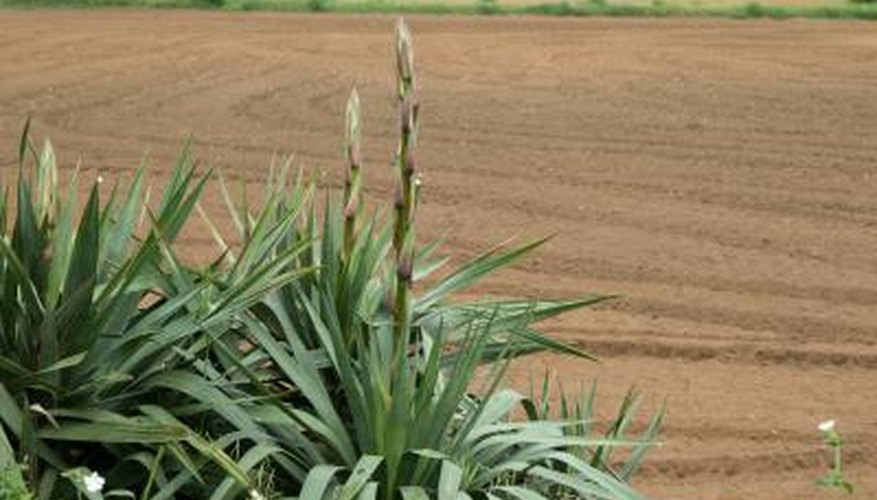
(719, 175)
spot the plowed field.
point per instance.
(721, 176)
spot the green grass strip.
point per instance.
(856, 9)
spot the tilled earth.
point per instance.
(718, 175)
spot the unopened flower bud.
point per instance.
(353, 131)
(404, 52)
(404, 268)
(409, 162)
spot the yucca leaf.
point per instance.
(181, 177)
(233, 210)
(520, 493)
(306, 379)
(64, 363)
(27, 243)
(10, 368)
(200, 389)
(113, 251)
(470, 272)
(360, 475)
(430, 375)
(540, 342)
(251, 459)
(497, 407)
(184, 459)
(414, 493)
(261, 280)
(602, 455)
(23, 143)
(611, 487)
(170, 488)
(17, 272)
(131, 431)
(179, 201)
(450, 481)
(205, 447)
(316, 485)
(48, 480)
(224, 248)
(649, 437)
(62, 245)
(81, 278)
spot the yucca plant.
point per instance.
(374, 391)
(110, 348)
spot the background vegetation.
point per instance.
(852, 9)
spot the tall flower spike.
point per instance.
(352, 186)
(405, 202)
(353, 131)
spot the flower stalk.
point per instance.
(406, 190)
(353, 182)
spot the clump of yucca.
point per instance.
(379, 383)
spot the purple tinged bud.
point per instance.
(415, 106)
(404, 268)
(409, 162)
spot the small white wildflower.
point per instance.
(255, 495)
(94, 483)
(827, 426)
(418, 180)
(100, 179)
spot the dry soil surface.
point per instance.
(719, 175)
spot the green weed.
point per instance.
(835, 478)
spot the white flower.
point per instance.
(100, 179)
(94, 483)
(827, 426)
(255, 495)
